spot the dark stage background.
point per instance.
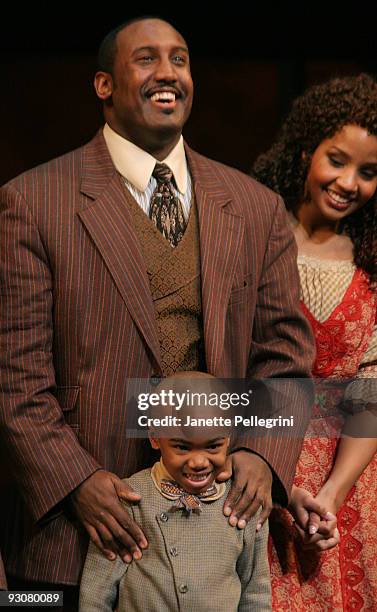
(247, 67)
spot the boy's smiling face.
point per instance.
(193, 462)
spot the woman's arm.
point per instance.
(353, 456)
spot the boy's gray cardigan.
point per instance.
(195, 563)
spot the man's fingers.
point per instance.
(108, 540)
(232, 499)
(93, 534)
(97, 503)
(248, 504)
(250, 489)
(266, 511)
(121, 540)
(117, 538)
(131, 532)
(226, 472)
(124, 491)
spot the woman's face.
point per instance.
(342, 175)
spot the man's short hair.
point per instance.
(108, 47)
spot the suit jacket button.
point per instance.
(164, 517)
(155, 380)
(183, 588)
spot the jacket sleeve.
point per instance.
(282, 350)
(100, 581)
(254, 571)
(47, 458)
(3, 580)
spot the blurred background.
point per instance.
(247, 68)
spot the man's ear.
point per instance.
(155, 443)
(104, 85)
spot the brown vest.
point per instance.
(174, 277)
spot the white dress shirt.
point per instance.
(136, 167)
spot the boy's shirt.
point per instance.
(189, 502)
(195, 561)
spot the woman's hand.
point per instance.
(314, 519)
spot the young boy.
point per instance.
(195, 559)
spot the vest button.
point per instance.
(183, 588)
(164, 517)
(174, 552)
(155, 380)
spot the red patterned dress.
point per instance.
(345, 577)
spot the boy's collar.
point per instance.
(159, 473)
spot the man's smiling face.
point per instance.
(149, 95)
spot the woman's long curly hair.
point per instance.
(321, 112)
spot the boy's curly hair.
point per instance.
(315, 116)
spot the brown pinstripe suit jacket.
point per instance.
(78, 320)
(3, 580)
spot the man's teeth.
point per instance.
(338, 198)
(163, 95)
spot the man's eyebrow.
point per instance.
(141, 49)
(153, 48)
(181, 48)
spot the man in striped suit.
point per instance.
(93, 295)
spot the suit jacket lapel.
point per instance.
(108, 221)
(221, 232)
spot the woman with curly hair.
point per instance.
(324, 164)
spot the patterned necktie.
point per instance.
(166, 209)
(189, 502)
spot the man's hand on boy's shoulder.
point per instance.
(96, 503)
(250, 490)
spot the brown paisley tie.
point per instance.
(166, 209)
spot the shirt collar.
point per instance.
(159, 473)
(137, 165)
